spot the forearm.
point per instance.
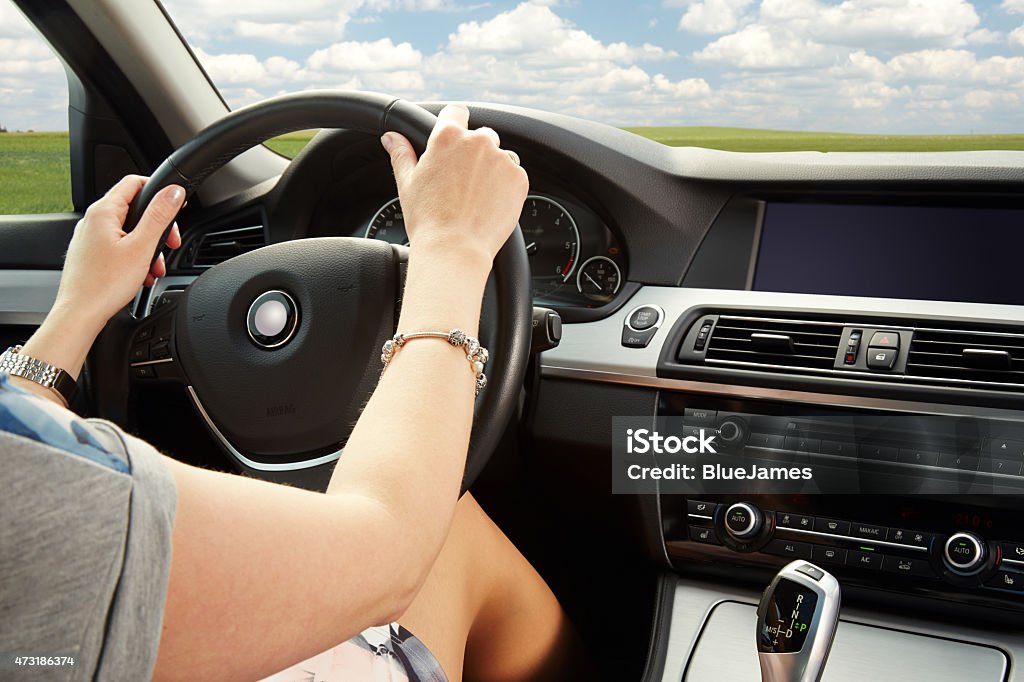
(408, 449)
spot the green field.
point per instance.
(34, 167)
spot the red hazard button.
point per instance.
(885, 340)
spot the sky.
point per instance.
(870, 66)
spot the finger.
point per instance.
(115, 202)
(157, 217)
(174, 238)
(456, 115)
(491, 133)
(126, 188)
(150, 281)
(159, 267)
(403, 156)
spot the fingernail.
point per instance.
(388, 141)
(176, 195)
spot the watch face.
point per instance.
(789, 615)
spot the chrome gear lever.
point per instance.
(796, 623)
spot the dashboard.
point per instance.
(858, 314)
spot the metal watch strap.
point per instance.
(13, 362)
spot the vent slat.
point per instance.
(938, 354)
(217, 247)
(742, 340)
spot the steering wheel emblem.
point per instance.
(272, 319)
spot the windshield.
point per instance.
(743, 75)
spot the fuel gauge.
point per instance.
(599, 278)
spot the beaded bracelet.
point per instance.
(475, 353)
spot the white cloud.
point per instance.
(532, 29)
(759, 47)
(1016, 37)
(33, 88)
(984, 36)
(713, 16)
(1013, 6)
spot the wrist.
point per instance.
(75, 319)
(464, 259)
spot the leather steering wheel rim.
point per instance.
(374, 114)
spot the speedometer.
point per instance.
(388, 224)
(552, 243)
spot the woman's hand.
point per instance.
(464, 197)
(105, 266)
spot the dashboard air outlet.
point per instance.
(767, 342)
(995, 359)
(217, 247)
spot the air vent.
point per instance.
(217, 247)
(786, 344)
(992, 358)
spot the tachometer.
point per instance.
(388, 224)
(552, 243)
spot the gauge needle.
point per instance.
(593, 281)
(531, 248)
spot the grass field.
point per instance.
(34, 167)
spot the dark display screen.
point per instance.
(935, 254)
(788, 618)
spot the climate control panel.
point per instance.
(961, 559)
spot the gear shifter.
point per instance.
(796, 622)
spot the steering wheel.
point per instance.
(279, 348)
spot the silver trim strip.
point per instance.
(258, 466)
(1014, 562)
(26, 296)
(144, 363)
(850, 538)
(700, 516)
(776, 394)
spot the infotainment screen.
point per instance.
(928, 253)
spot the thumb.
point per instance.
(403, 156)
(158, 217)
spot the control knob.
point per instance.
(964, 553)
(743, 521)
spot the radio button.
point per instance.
(914, 456)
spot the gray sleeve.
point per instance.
(84, 554)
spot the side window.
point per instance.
(35, 167)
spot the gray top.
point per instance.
(86, 513)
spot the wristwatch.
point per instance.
(16, 364)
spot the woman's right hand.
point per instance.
(464, 197)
